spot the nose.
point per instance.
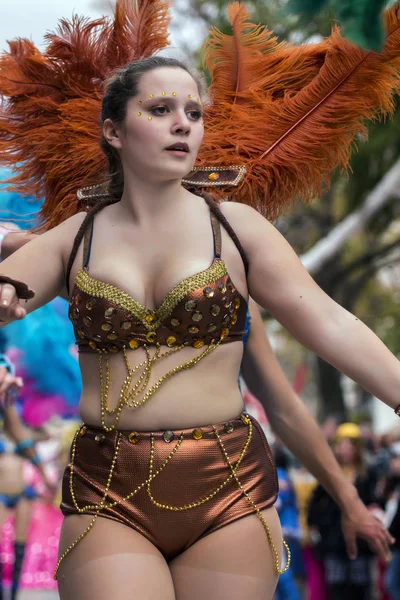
(181, 125)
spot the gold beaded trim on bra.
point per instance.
(100, 289)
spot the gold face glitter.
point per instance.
(139, 114)
(151, 95)
(150, 118)
(163, 93)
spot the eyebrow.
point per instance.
(172, 100)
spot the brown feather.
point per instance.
(50, 101)
(291, 142)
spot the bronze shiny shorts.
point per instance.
(173, 487)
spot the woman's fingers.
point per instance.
(10, 308)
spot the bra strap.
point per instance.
(215, 210)
(87, 244)
(216, 229)
(80, 235)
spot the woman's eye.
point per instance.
(194, 115)
(159, 110)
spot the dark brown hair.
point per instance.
(122, 86)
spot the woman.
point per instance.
(345, 578)
(134, 351)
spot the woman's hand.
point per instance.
(10, 387)
(360, 522)
(10, 307)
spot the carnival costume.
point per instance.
(281, 119)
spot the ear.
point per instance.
(112, 134)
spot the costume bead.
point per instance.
(134, 344)
(193, 329)
(90, 304)
(133, 437)
(77, 299)
(208, 292)
(112, 337)
(150, 318)
(83, 430)
(197, 434)
(234, 319)
(228, 428)
(81, 334)
(197, 316)
(151, 337)
(245, 419)
(213, 176)
(226, 320)
(175, 322)
(126, 325)
(190, 305)
(168, 436)
(236, 303)
(224, 333)
(114, 350)
(93, 345)
(100, 438)
(198, 344)
(222, 288)
(109, 313)
(87, 321)
(215, 310)
(211, 327)
(171, 341)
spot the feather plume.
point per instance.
(291, 142)
(50, 101)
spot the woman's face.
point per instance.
(163, 129)
(346, 451)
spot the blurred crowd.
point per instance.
(311, 521)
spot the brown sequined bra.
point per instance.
(202, 311)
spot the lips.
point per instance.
(178, 147)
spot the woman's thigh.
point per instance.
(23, 514)
(234, 562)
(112, 562)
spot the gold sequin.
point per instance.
(83, 430)
(77, 299)
(133, 437)
(198, 344)
(87, 321)
(228, 427)
(213, 176)
(150, 318)
(171, 341)
(112, 337)
(197, 434)
(234, 319)
(80, 333)
(211, 327)
(197, 316)
(215, 310)
(224, 333)
(175, 322)
(151, 337)
(114, 349)
(134, 344)
(106, 326)
(193, 329)
(109, 313)
(208, 292)
(190, 305)
(90, 304)
(222, 288)
(93, 345)
(126, 325)
(236, 303)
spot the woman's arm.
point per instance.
(41, 265)
(278, 281)
(293, 423)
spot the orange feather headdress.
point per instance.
(288, 114)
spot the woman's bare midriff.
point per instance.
(205, 394)
(11, 474)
